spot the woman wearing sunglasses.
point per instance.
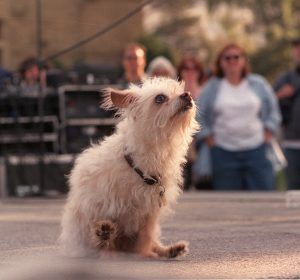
(239, 115)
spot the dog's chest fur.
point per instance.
(118, 192)
(133, 201)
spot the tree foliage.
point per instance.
(156, 47)
(264, 28)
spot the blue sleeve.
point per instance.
(204, 107)
(273, 118)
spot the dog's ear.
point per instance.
(122, 98)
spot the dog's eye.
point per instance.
(161, 98)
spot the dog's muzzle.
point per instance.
(187, 101)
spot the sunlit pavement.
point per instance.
(231, 235)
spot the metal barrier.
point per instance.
(71, 120)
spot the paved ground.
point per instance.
(231, 235)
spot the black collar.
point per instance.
(152, 180)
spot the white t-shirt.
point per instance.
(237, 123)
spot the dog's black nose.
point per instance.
(186, 96)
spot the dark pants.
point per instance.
(242, 170)
(292, 171)
(204, 184)
(187, 175)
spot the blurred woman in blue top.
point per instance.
(239, 115)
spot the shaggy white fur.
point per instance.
(109, 206)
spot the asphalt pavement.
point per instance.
(231, 236)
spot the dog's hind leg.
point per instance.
(145, 238)
(171, 251)
(103, 234)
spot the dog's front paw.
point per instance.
(105, 230)
(178, 249)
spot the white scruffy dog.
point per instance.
(121, 187)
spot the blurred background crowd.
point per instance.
(239, 59)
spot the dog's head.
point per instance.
(158, 104)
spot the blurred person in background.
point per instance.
(191, 72)
(161, 67)
(32, 76)
(5, 78)
(134, 63)
(239, 115)
(287, 89)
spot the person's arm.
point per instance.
(283, 88)
(209, 140)
(268, 135)
(203, 114)
(285, 91)
(272, 118)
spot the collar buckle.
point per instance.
(152, 180)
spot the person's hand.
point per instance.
(268, 136)
(209, 140)
(285, 91)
